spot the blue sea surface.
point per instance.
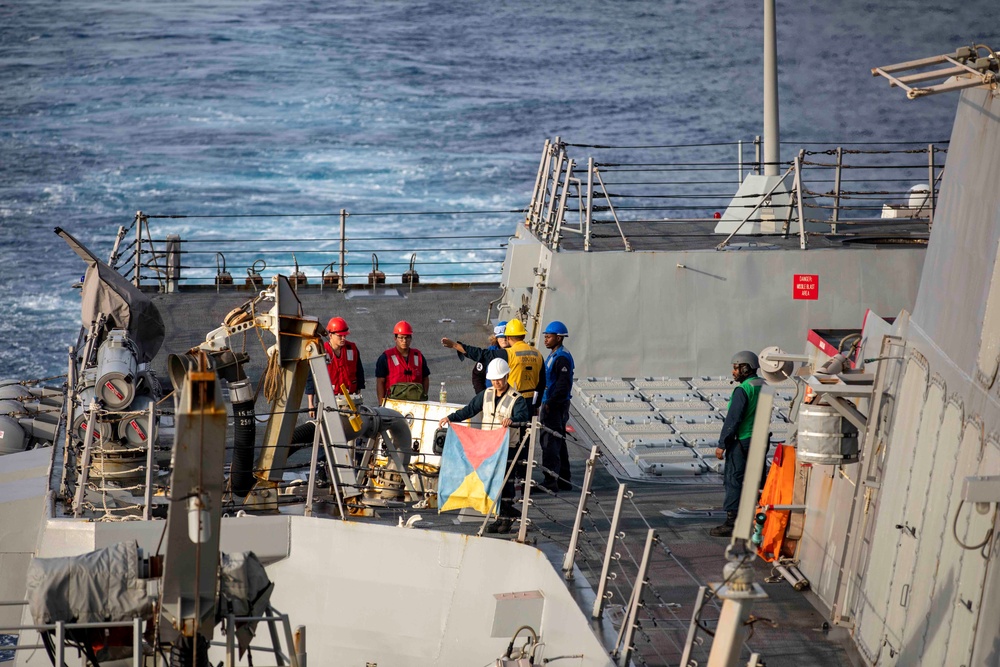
(253, 107)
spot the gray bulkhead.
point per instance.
(683, 313)
(915, 575)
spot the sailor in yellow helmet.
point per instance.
(527, 368)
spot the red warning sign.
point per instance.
(805, 286)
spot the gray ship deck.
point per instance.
(788, 629)
(660, 235)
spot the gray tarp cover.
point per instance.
(244, 589)
(102, 585)
(106, 291)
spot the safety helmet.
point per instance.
(515, 328)
(337, 325)
(556, 327)
(500, 330)
(402, 328)
(498, 369)
(746, 357)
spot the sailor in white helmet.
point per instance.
(502, 406)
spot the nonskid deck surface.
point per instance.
(789, 631)
(435, 311)
(663, 235)
(658, 428)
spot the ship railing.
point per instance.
(833, 187)
(626, 566)
(287, 649)
(609, 544)
(61, 631)
(364, 249)
(292, 652)
(612, 545)
(111, 481)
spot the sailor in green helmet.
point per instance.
(734, 441)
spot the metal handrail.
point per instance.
(290, 656)
(548, 202)
(160, 259)
(59, 628)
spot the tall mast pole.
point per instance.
(771, 135)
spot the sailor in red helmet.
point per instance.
(401, 371)
(343, 362)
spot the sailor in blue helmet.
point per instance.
(527, 369)
(734, 440)
(554, 410)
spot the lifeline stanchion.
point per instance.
(588, 476)
(798, 200)
(88, 440)
(560, 215)
(231, 636)
(539, 185)
(589, 215)
(547, 220)
(334, 473)
(522, 531)
(150, 441)
(300, 644)
(70, 419)
(60, 644)
(313, 459)
(631, 621)
(835, 216)
(137, 653)
(930, 180)
(343, 252)
(293, 656)
(693, 627)
(609, 554)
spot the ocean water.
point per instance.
(251, 108)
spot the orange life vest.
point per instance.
(343, 369)
(404, 370)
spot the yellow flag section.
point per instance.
(472, 468)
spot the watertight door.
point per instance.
(877, 562)
(902, 594)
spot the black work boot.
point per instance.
(726, 529)
(502, 525)
(548, 484)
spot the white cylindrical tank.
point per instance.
(133, 429)
(102, 432)
(825, 437)
(116, 370)
(12, 439)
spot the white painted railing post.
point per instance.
(581, 509)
